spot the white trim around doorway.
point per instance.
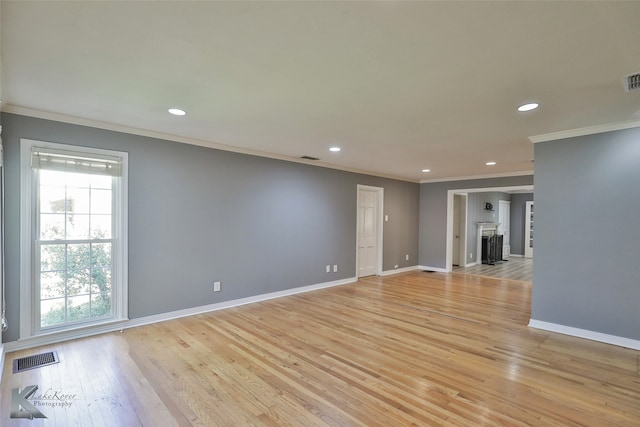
(450, 194)
(379, 225)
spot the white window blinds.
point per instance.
(60, 160)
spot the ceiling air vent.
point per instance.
(309, 158)
(632, 82)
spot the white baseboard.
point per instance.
(585, 333)
(400, 270)
(131, 323)
(471, 264)
(1, 359)
(516, 256)
(234, 303)
(438, 269)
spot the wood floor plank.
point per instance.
(426, 349)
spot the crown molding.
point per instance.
(63, 118)
(464, 178)
(590, 130)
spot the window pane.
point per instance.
(54, 178)
(78, 256)
(78, 308)
(52, 257)
(101, 305)
(77, 227)
(51, 226)
(100, 255)
(78, 282)
(78, 180)
(52, 285)
(78, 279)
(101, 181)
(52, 312)
(52, 199)
(101, 226)
(100, 201)
(78, 200)
(100, 280)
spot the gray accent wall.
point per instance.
(198, 214)
(433, 213)
(518, 221)
(586, 272)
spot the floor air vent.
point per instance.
(35, 361)
(632, 82)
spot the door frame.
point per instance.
(501, 205)
(450, 193)
(379, 225)
(462, 231)
(528, 250)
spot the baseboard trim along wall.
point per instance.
(1, 359)
(400, 270)
(584, 333)
(131, 323)
(436, 269)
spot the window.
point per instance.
(74, 237)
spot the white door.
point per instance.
(367, 232)
(456, 230)
(528, 230)
(504, 218)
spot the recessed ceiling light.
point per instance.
(177, 112)
(490, 163)
(335, 149)
(426, 170)
(528, 107)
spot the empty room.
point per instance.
(309, 213)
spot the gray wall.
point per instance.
(433, 213)
(476, 212)
(586, 272)
(197, 215)
(518, 211)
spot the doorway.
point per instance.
(369, 231)
(470, 251)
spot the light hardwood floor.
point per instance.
(516, 268)
(410, 349)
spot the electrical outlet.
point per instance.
(335, 268)
(471, 255)
(407, 257)
(328, 269)
(217, 286)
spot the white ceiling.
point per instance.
(400, 86)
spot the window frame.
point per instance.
(29, 268)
